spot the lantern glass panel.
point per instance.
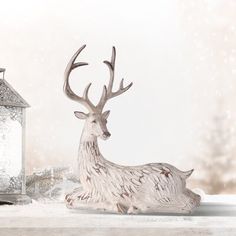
(10, 149)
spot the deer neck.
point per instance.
(89, 150)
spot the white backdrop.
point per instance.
(180, 56)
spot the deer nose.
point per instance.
(106, 134)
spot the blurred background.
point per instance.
(180, 55)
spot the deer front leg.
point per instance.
(78, 195)
(80, 199)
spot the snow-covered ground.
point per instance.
(48, 209)
(55, 219)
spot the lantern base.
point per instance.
(14, 199)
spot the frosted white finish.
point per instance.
(154, 187)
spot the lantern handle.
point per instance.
(2, 70)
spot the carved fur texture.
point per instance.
(154, 187)
(150, 188)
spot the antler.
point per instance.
(107, 91)
(67, 89)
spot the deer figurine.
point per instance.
(150, 188)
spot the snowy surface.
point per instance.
(215, 216)
(215, 204)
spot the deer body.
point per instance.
(154, 187)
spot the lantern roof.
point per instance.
(9, 96)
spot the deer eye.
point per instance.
(94, 121)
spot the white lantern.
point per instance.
(12, 135)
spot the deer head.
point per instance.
(96, 119)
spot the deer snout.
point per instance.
(106, 135)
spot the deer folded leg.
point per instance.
(77, 196)
(121, 208)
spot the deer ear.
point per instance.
(105, 114)
(80, 115)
